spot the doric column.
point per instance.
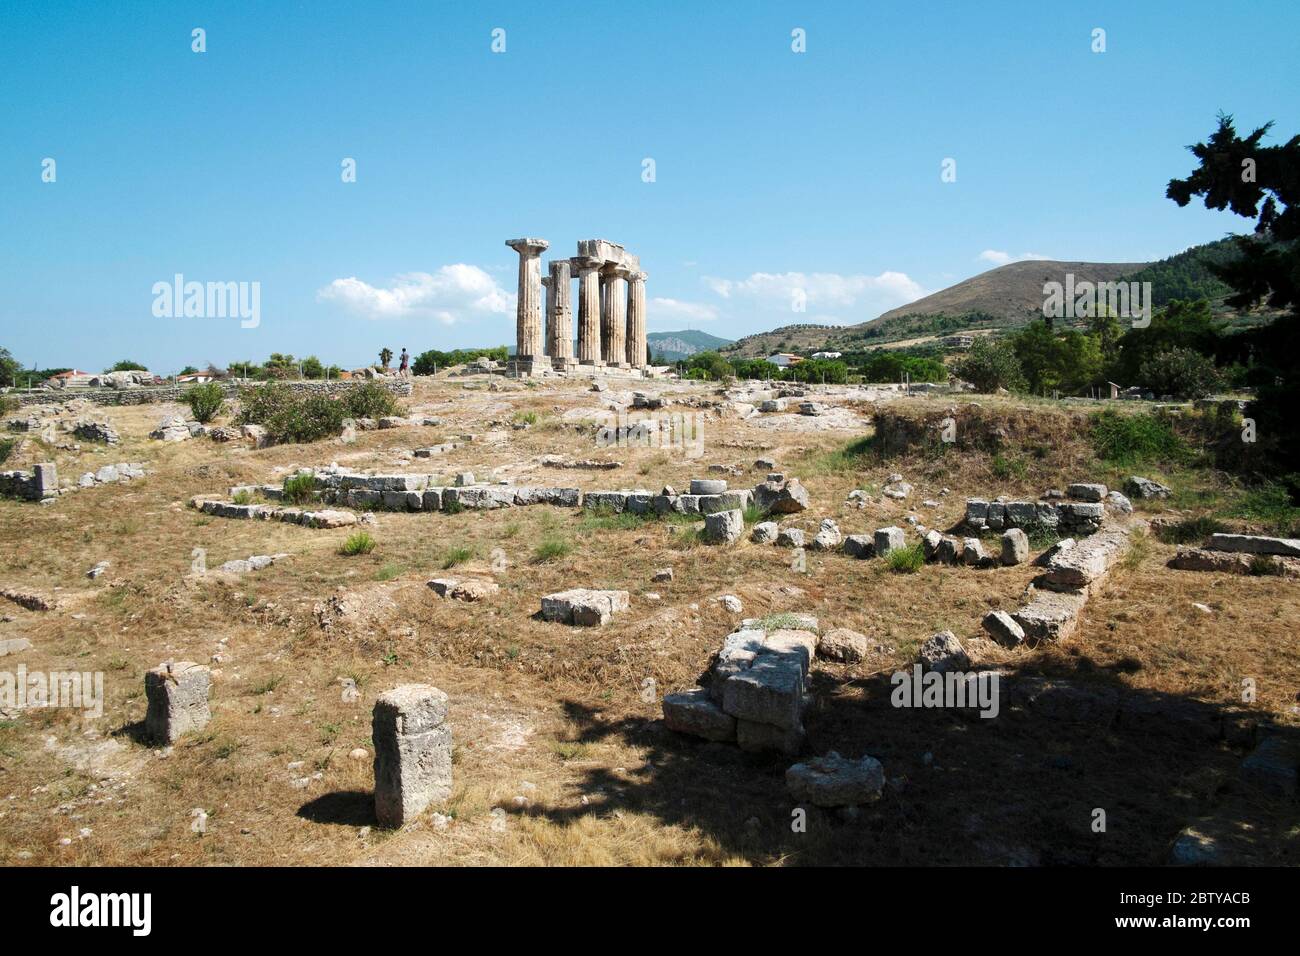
(529, 350)
(559, 313)
(636, 349)
(589, 351)
(548, 311)
(614, 315)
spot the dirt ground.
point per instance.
(560, 755)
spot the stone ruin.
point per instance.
(611, 309)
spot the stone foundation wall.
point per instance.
(147, 395)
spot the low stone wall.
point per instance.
(35, 485)
(1082, 517)
(150, 394)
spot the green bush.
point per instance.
(307, 419)
(370, 400)
(358, 542)
(205, 401)
(1131, 439)
(551, 549)
(1181, 373)
(300, 488)
(455, 556)
(991, 364)
(906, 560)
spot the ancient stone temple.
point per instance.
(611, 309)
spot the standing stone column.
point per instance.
(412, 752)
(614, 316)
(559, 314)
(589, 350)
(530, 354)
(177, 694)
(547, 311)
(636, 347)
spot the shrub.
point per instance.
(358, 542)
(258, 403)
(1190, 530)
(1181, 373)
(1131, 439)
(300, 488)
(991, 364)
(242, 497)
(370, 400)
(205, 401)
(551, 549)
(7, 446)
(306, 419)
(455, 556)
(906, 560)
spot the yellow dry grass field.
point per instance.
(560, 756)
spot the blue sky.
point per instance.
(773, 169)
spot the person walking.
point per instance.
(404, 369)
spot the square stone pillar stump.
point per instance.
(589, 350)
(46, 479)
(178, 700)
(412, 741)
(530, 350)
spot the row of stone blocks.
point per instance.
(310, 519)
(756, 692)
(35, 485)
(409, 729)
(1078, 517)
(1055, 599)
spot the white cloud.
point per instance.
(999, 258)
(677, 310)
(823, 291)
(453, 293)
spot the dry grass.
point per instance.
(561, 717)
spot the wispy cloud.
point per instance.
(676, 309)
(453, 293)
(999, 258)
(857, 296)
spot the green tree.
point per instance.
(312, 367)
(991, 364)
(385, 356)
(9, 369)
(1182, 374)
(126, 365)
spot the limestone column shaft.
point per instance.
(549, 312)
(614, 318)
(559, 311)
(528, 313)
(636, 345)
(589, 350)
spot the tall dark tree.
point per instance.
(1262, 183)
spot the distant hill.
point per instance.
(1006, 297)
(675, 346)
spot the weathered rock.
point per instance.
(707, 486)
(584, 607)
(948, 551)
(781, 497)
(753, 737)
(1118, 503)
(1050, 615)
(694, 712)
(764, 532)
(972, 553)
(662, 574)
(1087, 492)
(464, 589)
(844, 645)
(177, 697)
(1273, 766)
(943, 652)
(888, 539)
(1254, 544)
(859, 546)
(14, 645)
(1015, 547)
(930, 542)
(724, 527)
(1087, 562)
(790, 538)
(828, 536)
(413, 748)
(833, 781)
(898, 491)
(769, 691)
(1136, 487)
(1002, 627)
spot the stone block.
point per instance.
(724, 527)
(888, 539)
(584, 607)
(177, 700)
(412, 742)
(832, 781)
(694, 712)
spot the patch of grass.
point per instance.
(358, 542)
(525, 418)
(1005, 468)
(906, 560)
(1127, 440)
(688, 538)
(856, 455)
(454, 556)
(389, 571)
(1191, 530)
(778, 622)
(7, 446)
(569, 749)
(754, 514)
(551, 549)
(452, 507)
(242, 497)
(653, 462)
(300, 488)
(1139, 548)
(268, 685)
(1271, 505)
(606, 519)
(1263, 566)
